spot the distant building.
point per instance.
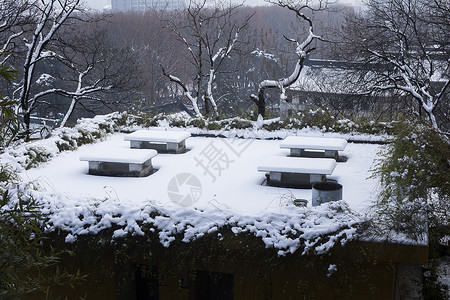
(143, 5)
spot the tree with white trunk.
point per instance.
(83, 61)
(13, 17)
(209, 34)
(186, 92)
(49, 17)
(93, 65)
(303, 49)
(410, 39)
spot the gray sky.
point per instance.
(99, 4)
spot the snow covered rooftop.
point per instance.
(214, 185)
(226, 170)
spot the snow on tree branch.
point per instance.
(408, 39)
(51, 15)
(302, 50)
(185, 90)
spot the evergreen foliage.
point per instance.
(414, 172)
(9, 123)
(27, 264)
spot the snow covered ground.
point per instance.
(226, 170)
(215, 184)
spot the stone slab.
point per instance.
(301, 165)
(314, 143)
(158, 136)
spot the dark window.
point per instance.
(146, 278)
(210, 285)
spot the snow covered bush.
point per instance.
(27, 265)
(86, 131)
(274, 125)
(317, 119)
(415, 176)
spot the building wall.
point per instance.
(143, 5)
(240, 269)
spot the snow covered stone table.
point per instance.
(314, 146)
(162, 141)
(296, 172)
(121, 162)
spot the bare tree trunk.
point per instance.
(187, 93)
(209, 36)
(69, 112)
(260, 102)
(206, 105)
(199, 71)
(49, 20)
(26, 121)
(302, 50)
(209, 95)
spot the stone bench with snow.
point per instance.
(121, 162)
(314, 146)
(162, 141)
(296, 172)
